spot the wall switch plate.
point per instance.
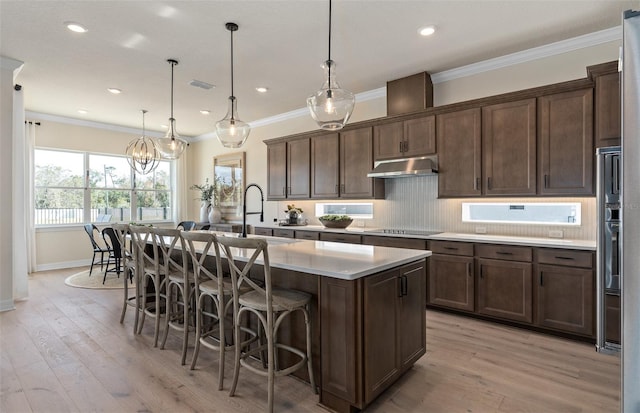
(556, 234)
(481, 230)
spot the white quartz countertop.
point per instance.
(332, 259)
(454, 236)
(512, 240)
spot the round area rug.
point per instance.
(83, 280)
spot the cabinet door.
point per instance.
(451, 282)
(607, 110)
(459, 153)
(325, 166)
(504, 289)
(298, 160)
(356, 160)
(412, 316)
(565, 298)
(566, 143)
(509, 148)
(381, 355)
(388, 141)
(277, 170)
(420, 136)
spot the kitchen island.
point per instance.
(368, 313)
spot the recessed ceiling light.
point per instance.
(262, 89)
(75, 27)
(427, 31)
(114, 90)
(205, 112)
(83, 111)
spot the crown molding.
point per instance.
(7, 63)
(552, 49)
(92, 124)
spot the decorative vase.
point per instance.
(293, 217)
(205, 207)
(215, 215)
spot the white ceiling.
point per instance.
(280, 45)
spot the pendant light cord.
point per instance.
(329, 30)
(172, 65)
(232, 63)
(143, 129)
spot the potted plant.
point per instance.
(293, 213)
(207, 194)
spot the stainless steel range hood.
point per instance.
(399, 168)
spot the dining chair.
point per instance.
(214, 323)
(148, 271)
(271, 306)
(186, 225)
(115, 252)
(129, 268)
(178, 285)
(91, 229)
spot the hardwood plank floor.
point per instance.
(64, 350)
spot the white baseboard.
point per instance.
(61, 265)
(7, 305)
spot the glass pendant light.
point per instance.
(172, 145)
(331, 106)
(142, 153)
(231, 131)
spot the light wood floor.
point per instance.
(64, 350)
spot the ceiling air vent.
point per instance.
(201, 84)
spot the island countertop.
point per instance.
(333, 259)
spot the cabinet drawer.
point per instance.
(570, 258)
(504, 252)
(336, 237)
(417, 244)
(285, 233)
(312, 235)
(263, 231)
(451, 248)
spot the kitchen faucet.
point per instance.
(244, 209)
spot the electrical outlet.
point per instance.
(556, 234)
(481, 230)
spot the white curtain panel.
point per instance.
(180, 188)
(20, 197)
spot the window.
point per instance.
(552, 213)
(356, 210)
(78, 187)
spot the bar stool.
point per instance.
(148, 270)
(128, 266)
(271, 306)
(178, 285)
(211, 324)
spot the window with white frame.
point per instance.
(78, 187)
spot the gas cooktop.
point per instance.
(402, 231)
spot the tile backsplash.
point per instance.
(412, 203)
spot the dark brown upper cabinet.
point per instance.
(288, 170)
(509, 148)
(566, 151)
(325, 166)
(277, 170)
(356, 161)
(607, 99)
(404, 139)
(459, 153)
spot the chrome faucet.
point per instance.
(244, 209)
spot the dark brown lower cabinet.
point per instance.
(373, 329)
(504, 289)
(451, 282)
(565, 298)
(394, 337)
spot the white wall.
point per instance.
(410, 202)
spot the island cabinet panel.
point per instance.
(341, 320)
(566, 150)
(459, 153)
(325, 166)
(298, 160)
(509, 148)
(394, 336)
(504, 289)
(356, 161)
(277, 170)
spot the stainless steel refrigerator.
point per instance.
(630, 232)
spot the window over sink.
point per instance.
(356, 210)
